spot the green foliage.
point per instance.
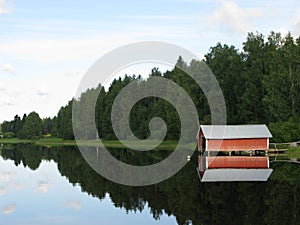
(260, 84)
(32, 127)
(287, 131)
(227, 65)
(9, 135)
(293, 153)
(64, 122)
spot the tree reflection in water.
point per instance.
(274, 202)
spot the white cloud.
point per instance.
(43, 187)
(2, 191)
(2, 88)
(74, 71)
(296, 23)
(161, 17)
(5, 176)
(5, 100)
(234, 18)
(60, 50)
(194, 1)
(17, 186)
(73, 205)
(9, 209)
(23, 95)
(7, 68)
(5, 7)
(71, 50)
(7, 95)
(42, 91)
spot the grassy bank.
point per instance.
(289, 152)
(166, 145)
(14, 141)
(293, 153)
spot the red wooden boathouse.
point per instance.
(233, 137)
(213, 139)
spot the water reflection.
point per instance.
(182, 196)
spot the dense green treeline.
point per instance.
(29, 127)
(260, 83)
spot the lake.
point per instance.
(42, 185)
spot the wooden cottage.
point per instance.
(233, 137)
(237, 143)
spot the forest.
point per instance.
(260, 84)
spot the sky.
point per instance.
(24, 192)
(47, 46)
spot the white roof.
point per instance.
(235, 131)
(227, 175)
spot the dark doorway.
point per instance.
(203, 143)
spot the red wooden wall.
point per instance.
(237, 144)
(200, 140)
(238, 162)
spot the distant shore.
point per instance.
(289, 152)
(165, 145)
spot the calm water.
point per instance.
(56, 186)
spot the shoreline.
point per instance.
(292, 152)
(165, 145)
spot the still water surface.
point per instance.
(55, 185)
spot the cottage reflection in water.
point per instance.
(233, 153)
